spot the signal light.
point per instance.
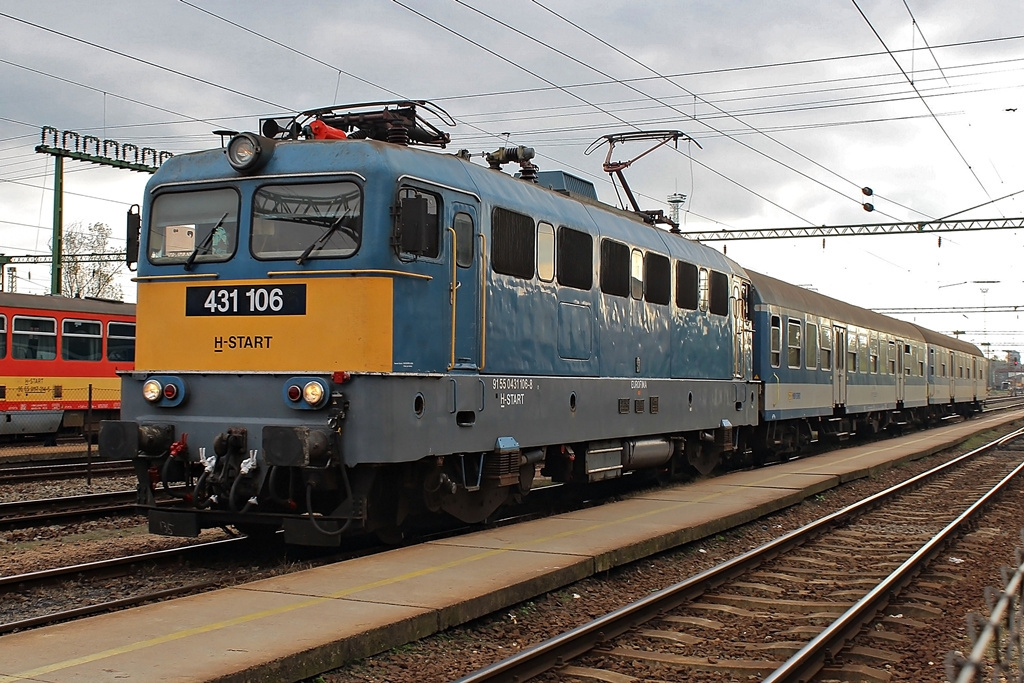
(170, 391)
(294, 393)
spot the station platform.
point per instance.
(295, 626)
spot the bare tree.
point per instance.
(82, 279)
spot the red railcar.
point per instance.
(59, 359)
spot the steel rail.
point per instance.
(564, 647)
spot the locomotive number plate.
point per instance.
(245, 300)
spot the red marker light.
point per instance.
(170, 391)
(294, 393)
(341, 377)
(321, 131)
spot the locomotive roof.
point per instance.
(44, 303)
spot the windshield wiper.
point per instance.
(320, 241)
(205, 244)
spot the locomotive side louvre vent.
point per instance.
(58, 391)
(624, 406)
(638, 405)
(654, 405)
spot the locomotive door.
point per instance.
(743, 332)
(839, 366)
(465, 289)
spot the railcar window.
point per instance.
(719, 295)
(793, 329)
(686, 285)
(862, 351)
(812, 346)
(121, 341)
(464, 239)
(512, 243)
(614, 268)
(81, 340)
(908, 359)
(658, 276)
(826, 348)
(636, 274)
(776, 341)
(3, 336)
(315, 220)
(575, 258)
(201, 225)
(545, 251)
(851, 352)
(34, 338)
(891, 358)
(873, 353)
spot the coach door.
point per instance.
(465, 289)
(839, 366)
(901, 372)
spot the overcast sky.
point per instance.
(796, 106)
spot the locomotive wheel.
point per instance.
(702, 459)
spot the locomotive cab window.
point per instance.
(545, 251)
(120, 341)
(615, 275)
(575, 257)
(686, 286)
(193, 227)
(512, 243)
(636, 274)
(34, 338)
(81, 340)
(464, 247)
(718, 297)
(307, 221)
(658, 276)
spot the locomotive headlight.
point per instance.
(313, 393)
(248, 151)
(152, 390)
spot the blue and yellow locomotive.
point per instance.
(338, 330)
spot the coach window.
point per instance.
(793, 330)
(686, 286)
(575, 258)
(636, 273)
(81, 340)
(615, 275)
(873, 353)
(512, 243)
(851, 352)
(908, 359)
(3, 336)
(310, 221)
(464, 247)
(826, 347)
(193, 227)
(121, 341)
(545, 251)
(812, 346)
(658, 276)
(34, 338)
(776, 341)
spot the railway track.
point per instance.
(46, 511)
(53, 471)
(810, 605)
